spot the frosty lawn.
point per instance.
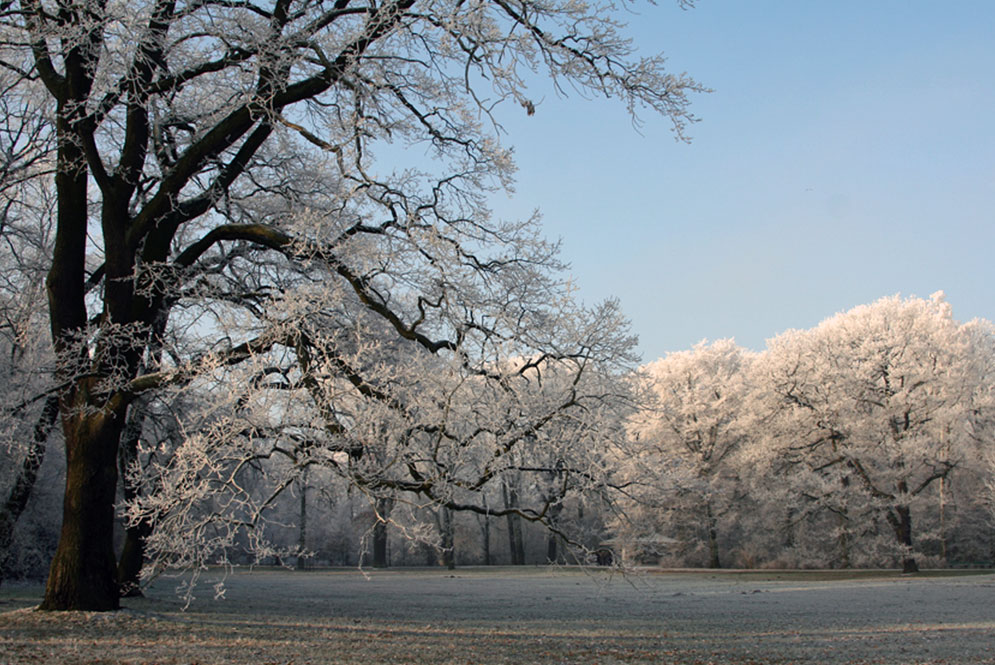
(524, 615)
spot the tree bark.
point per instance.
(82, 575)
(843, 519)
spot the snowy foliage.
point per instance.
(876, 402)
(861, 442)
(687, 436)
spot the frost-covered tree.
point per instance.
(406, 431)
(691, 427)
(216, 186)
(875, 406)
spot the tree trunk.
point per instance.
(900, 518)
(302, 525)
(380, 555)
(903, 529)
(445, 520)
(943, 521)
(553, 555)
(132, 559)
(82, 574)
(17, 500)
(516, 545)
(485, 527)
(713, 537)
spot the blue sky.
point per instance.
(846, 153)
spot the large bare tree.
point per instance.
(208, 150)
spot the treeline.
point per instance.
(863, 442)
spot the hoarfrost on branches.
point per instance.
(684, 473)
(223, 224)
(876, 405)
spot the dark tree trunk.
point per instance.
(903, 530)
(380, 555)
(488, 559)
(900, 518)
(129, 565)
(82, 575)
(713, 537)
(17, 500)
(516, 544)
(132, 557)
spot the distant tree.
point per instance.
(688, 432)
(215, 186)
(875, 405)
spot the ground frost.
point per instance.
(514, 615)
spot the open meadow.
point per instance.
(533, 615)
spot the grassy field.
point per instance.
(532, 615)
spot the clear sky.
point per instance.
(846, 153)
